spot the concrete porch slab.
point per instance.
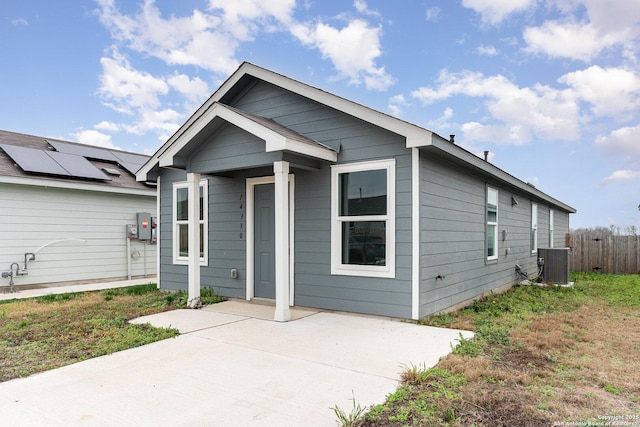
(256, 310)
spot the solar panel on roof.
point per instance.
(77, 166)
(131, 167)
(137, 159)
(83, 150)
(33, 160)
(52, 163)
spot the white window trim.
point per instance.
(551, 220)
(494, 223)
(184, 260)
(534, 227)
(337, 267)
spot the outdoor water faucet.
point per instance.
(10, 275)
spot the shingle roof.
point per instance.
(126, 178)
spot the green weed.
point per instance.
(466, 347)
(349, 419)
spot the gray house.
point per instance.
(314, 200)
(65, 207)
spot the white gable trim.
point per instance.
(415, 135)
(274, 140)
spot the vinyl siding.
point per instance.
(227, 236)
(232, 149)
(34, 216)
(452, 215)
(357, 141)
(453, 237)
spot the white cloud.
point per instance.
(363, 8)
(191, 40)
(623, 142)
(93, 137)
(567, 40)
(126, 88)
(244, 18)
(396, 103)
(433, 14)
(137, 93)
(194, 90)
(586, 28)
(441, 122)
(610, 91)
(107, 126)
(486, 50)
(620, 176)
(494, 11)
(19, 21)
(353, 50)
(521, 113)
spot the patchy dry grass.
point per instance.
(48, 332)
(540, 356)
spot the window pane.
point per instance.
(363, 193)
(492, 214)
(183, 240)
(492, 205)
(491, 240)
(202, 237)
(182, 211)
(201, 204)
(364, 243)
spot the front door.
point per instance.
(264, 242)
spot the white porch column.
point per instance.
(193, 182)
(281, 172)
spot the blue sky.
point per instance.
(550, 87)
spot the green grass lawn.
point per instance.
(48, 332)
(541, 355)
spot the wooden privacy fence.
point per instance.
(604, 253)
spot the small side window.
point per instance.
(181, 223)
(534, 228)
(492, 224)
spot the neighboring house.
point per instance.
(317, 201)
(65, 208)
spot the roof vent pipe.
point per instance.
(486, 155)
(452, 139)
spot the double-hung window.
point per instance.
(181, 222)
(363, 219)
(534, 228)
(492, 224)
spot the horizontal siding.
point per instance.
(227, 236)
(231, 148)
(452, 235)
(36, 216)
(356, 141)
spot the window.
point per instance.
(363, 219)
(492, 223)
(534, 228)
(550, 228)
(181, 222)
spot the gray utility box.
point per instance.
(144, 225)
(555, 265)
